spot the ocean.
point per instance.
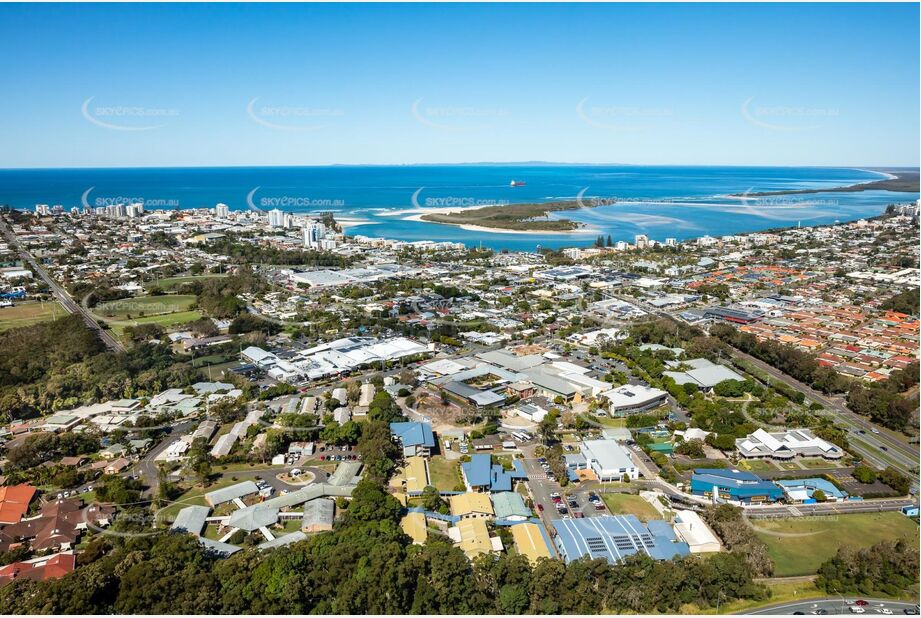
(660, 202)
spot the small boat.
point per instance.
(517, 183)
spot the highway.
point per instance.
(60, 293)
(839, 605)
(878, 446)
(902, 455)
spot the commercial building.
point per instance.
(694, 531)
(531, 541)
(416, 438)
(318, 515)
(802, 491)
(786, 445)
(608, 460)
(734, 485)
(480, 474)
(510, 506)
(414, 525)
(471, 506)
(703, 373)
(614, 537)
(634, 398)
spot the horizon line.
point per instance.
(865, 167)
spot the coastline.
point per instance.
(897, 182)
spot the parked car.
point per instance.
(540, 507)
(856, 609)
(860, 602)
(599, 506)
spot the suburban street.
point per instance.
(884, 450)
(60, 293)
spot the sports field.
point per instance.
(28, 313)
(143, 306)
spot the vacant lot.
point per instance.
(802, 555)
(26, 314)
(628, 504)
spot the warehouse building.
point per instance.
(614, 537)
(608, 460)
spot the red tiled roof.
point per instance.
(14, 502)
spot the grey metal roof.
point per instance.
(222, 549)
(345, 474)
(253, 517)
(321, 512)
(191, 519)
(283, 540)
(226, 494)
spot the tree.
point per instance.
(432, 500)
(819, 496)
(864, 474)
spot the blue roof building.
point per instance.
(734, 485)
(480, 474)
(614, 537)
(416, 438)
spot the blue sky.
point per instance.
(198, 85)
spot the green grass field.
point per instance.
(444, 474)
(167, 321)
(817, 463)
(802, 555)
(26, 314)
(173, 282)
(628, 504)
(757, 465)
(144, 306)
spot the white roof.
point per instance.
(632, 395)
(608, 454)
(690, 527)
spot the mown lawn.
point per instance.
(167, 321)
(757, 465)
(802, 555)
(444, 474)
(629, 504)
(27, 314)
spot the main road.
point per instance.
(838, 605)
(60, 293)
(873, 443)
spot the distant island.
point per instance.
(904, 181)
(515, 217)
